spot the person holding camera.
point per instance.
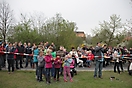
(98, 60)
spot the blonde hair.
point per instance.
(40, 51)
(48, 51)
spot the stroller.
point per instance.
(73, 70)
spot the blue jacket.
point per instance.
(68, 62)
(36, 52)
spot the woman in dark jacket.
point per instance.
(10, 57)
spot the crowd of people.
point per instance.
(53, 62)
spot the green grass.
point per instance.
(26, 79)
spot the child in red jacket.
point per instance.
(89, 58)
(57, 65)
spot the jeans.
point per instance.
(67, 71)
(57, 70)
(48, 70)
(39, 74)
(27, 59)
(52, 70)
(61, 70)
(10, 64)
(88, 62)
(98, 68)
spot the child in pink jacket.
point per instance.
(48, 65)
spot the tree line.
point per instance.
(37, 28)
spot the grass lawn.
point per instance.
(26, 79)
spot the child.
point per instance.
(66, 70)
(57, 65)
(48, 65)
(89, 58)
(41, 64)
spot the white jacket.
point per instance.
(130, 66)
(116, 56)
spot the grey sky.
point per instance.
(86, 13)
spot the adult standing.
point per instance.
(1, 56)
(4, 55)
(61, 53)
(35, 59)
(116, 57)
(98, 60)
(10, 57)
(19, 57)
(29, 51)
(53, 53)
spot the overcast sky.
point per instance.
(85, 13)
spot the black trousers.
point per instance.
(4, 62)
(57, 70)
(10, 64)
(36, 67)
(17, 59)
(121, 65)
(1, 61)
(130, 72)
(116, 65)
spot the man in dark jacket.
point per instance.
(19, 57)
(99, 60)
(29, 51)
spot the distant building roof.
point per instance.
(80, 34)
(127, 38)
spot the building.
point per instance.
(81, 34)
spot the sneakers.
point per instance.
(71, 80)
(21, 66)
(95, 77)
(65, 80)
(40, 80)
(100, 78)
(48, 83)
(58, 79)
(54, 79)
(17, 68)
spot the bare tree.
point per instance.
(6, 18)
